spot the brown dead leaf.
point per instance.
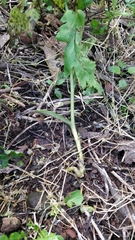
(52, 49)
(42, 143)
(71, 233)
(52, 20)
(126, 145)
(22, 148)
(50, 54)
(26, 39)
(129, 150)
(129, 157)
(108, 87)
(97, 135)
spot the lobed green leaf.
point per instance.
(75, 197)
(65, 31)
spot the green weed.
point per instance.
(6, 155)
(78, 68)
(14, 236)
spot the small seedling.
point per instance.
(59, 82)
(115, 69)
(14, 236)
(131, 100)
(44, 235)
(131, 70)
(6, 155)
(4, 2)
(75, 198)
(122, 84)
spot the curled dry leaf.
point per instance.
(51, 53)
(51, 61)
(51, 20)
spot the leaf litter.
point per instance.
(105, 125)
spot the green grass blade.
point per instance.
(55, 115)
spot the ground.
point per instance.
(34, 189)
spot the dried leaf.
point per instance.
(50, 54)
(7, 170)
(97, 135)
(129, 148)
(4, 38)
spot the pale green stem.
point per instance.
(81, 169)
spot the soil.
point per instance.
(34, 189)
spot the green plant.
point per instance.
(115, 69)
(23, 20)
(131, 70)
(4, 2)
(78, 67)
(24, 16)
(44, 235)
(59, 82)
(118, 69)
(124, 110)
(14, 236)
(98, 27)
(75, 197)
(122, 84)
(131, 100)
(6, 155)
(131, 5)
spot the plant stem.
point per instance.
(80, 171)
